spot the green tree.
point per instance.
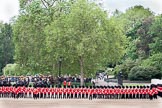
(87, 36)
(29, 37)
(134, 16)
(155, 61)
(6, 45)
(144, 38)
(156, 33)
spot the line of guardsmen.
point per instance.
(71, 92)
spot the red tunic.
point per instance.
(150, 92)
(64, 83)
(159, 89)
(108, 91)
(154, 90)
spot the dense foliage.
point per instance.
(6, 46)
(144, 73)
(85, 36)
(144, 48)
(78, 31)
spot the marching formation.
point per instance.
(81, 92)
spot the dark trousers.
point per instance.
(90, 97)
(64, 95)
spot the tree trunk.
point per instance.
(81, 71)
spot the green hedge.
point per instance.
(144, 73)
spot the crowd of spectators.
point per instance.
(39, 80)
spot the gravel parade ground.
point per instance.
(80, 103)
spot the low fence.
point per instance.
(128, 81)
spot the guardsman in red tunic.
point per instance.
(18, 92)
(35, 92)
(144, 94)
(159, 88)
(137, 92)
(7, 90)
(57, 92)
(60, 92)
(115, 92)
(147, 92)
(31, 92)
(133, 92)
(123, 92)
(72, 92)
(44, 92)
(90, 93)
(155, 92)
(15, 91)
(40, 93)
(120, 92)
(48, 92)
(94, 92)
(130, 92)
(64, 92)
(79, 92)
(110, 93)
(82, 91)
(126, 92)
(22, 92)
(10, 91)
(69, 84)
(140, 92)
(52, 91)
(86, 92)
(4, 91)
(0, 92)
(105, 92)
(68, 92)
(64, 83)
(99, 92)
(76, 92)
(26, 92)
(150, 94)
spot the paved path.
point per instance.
(104, 83)
(79, 103)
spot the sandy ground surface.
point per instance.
(80, 103)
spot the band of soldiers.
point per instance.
(98, 92)
(68, 91)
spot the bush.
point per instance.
(153, 61)
(10, 69)
(144, 73)
(125, 68)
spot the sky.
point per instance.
(9, 8)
